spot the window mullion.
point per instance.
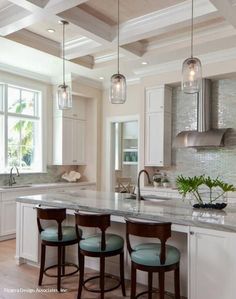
(5, 126)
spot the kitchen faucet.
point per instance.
(138, 195)
(12, 180)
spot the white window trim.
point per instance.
(42, 117)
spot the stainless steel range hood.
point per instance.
(204, 136)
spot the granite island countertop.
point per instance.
(173, 210)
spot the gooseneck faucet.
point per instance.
(138, 196)
(12, 180)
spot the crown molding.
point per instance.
(24, 73)
(209, 58)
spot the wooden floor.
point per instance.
(25, 277)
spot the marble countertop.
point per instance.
(43, 186)
(173, 210)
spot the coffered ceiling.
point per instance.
(153, 34)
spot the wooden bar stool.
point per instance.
(100, 245)
(58, 236)
(152, 257)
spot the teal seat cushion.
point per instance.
(93, 243)
(50, 234)
(148, 254)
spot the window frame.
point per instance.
(37, 117)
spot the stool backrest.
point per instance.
(101, 221)
(161, 231)
(59, 215)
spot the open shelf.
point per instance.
(130, 163)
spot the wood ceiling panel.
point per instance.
(106, 10)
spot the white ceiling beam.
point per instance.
(162, 21)
(89, 25)
(37, 14)
(153, 24)
(226, 10)
(31, 6)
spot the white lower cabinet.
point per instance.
(8, 217)
(27, 248)
(212, 264)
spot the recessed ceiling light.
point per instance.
(101, 78)
(144, 62)
(50, 30)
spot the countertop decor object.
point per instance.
(72, 176)
(204, 192)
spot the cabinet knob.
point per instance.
(191, 233)
(74, 160)
(160, 161)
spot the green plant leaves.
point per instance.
(191, 185)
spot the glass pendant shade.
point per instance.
(64, 97)
(191, 75)
(118, 89)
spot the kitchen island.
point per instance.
(206, 239)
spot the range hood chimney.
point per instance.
(204, 136)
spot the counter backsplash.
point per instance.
(53, 175)
(213, 162)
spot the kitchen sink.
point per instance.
(149, 197)
(14, 187)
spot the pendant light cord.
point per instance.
(63, 52)
(118, 37)
(192, 31)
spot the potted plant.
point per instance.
(204, 192)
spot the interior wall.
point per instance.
(133, 106)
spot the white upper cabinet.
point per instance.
(77, 111)
(69, 134)
(158, 99)
(158, 126)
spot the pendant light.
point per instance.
(64, 97)
(191, 70)
(118, 81)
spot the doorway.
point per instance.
(124, 154)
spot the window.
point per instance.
(20, 129)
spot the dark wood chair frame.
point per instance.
(101, 221)
(59, 215)
(162, 231)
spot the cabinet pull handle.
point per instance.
(191, 233)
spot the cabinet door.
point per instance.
(67, 141)
(79, 142)
(8, 217)
(27, 236)
(212, 264)
(155, 100)
(154, 143)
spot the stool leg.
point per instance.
(81, 275)
(122, 274)
(42, 263)
(149, 285)
(59, 268)
(102, 276)
(133, 281)
(63, 259)
(162, 285)
(177, 284)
